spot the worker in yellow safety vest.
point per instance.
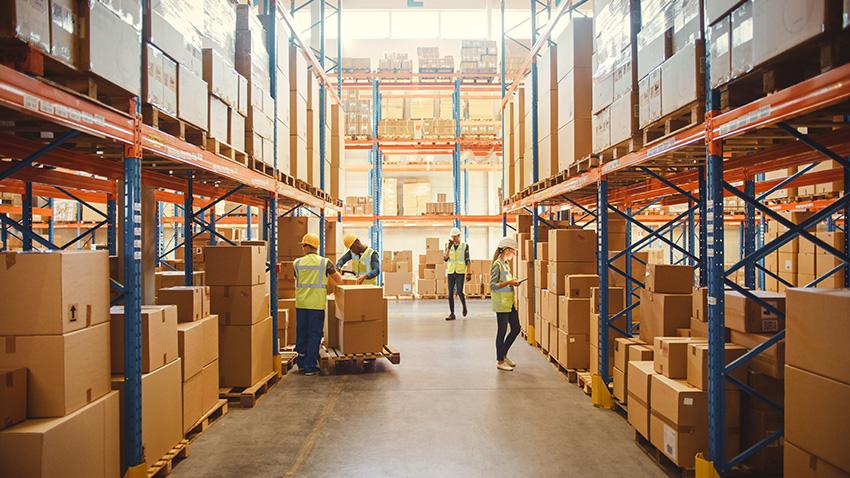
(365, 261)
(312, 273)
(456, 256)
(502, 284)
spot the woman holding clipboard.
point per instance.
(502, 286)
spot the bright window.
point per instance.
(517, 23)
(365, 24)
(415, 24)
(463, 24)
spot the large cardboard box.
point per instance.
(572, 245)
(398, 283)
(541, 273)
(289, 306)
(331, 324)
(573, 350)
(579, 285)
(621, 351)
(746, 315)
(245, 353)
(779, 25)
(65, 372)
(667, 279)
(699, 304)
(769, 362)
(85, 443)
(193, 302)
(13, 396)
(558, 272)
(239, 305)
(159, 337)
(360, 303)
(51, 293)
(235, 265)
(662, 314)
(719, 51)
(698, 364)
(814, 419)
(209, 375)
(28, 21)
(193, 400)
(162, 409)
(110, 46)
(817, 335)
(291, 230)
(362, 336)
(670, 355)
(799, 462)
(573, 315)
(197, 344)
(616, 300)
(639, 378)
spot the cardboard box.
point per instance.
(40, 448)
(574, 315)
(572, 245)
(51, 293)
(235, 265)
(331, 325)
(813, 417)
(639, 392)
(816, 338)
(65, 372)
(667, 279)
(245, 353)
(619, 379)
(360, 303)
(662, 314)
(699, 304)
(771, 361)
(799, 462)
(159, 337)
(746, 315)
(197, 344)
(363, 336)
(621, 351)
(541, 274)
(720, 51)
(558, 271)
(427, 286)
(697, 372)
(573, 350)
(209, 375)
(670, 355)
(162, 409)
(239, 305)
(616, 300)
(781, 26)
(553, 341)
(193, 302)
(398, 283)
(289, 306)
(579, 285)
(291, 230)
(193, 407)
(27, 21)
(13, 396)
(110, 46)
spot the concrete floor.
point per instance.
(444, 411)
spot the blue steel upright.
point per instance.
(749, 242)
(504, 90)
(602, 270)
(456, 151)
(26, 213)
(270, 215)
(322, 122)
(188, 218)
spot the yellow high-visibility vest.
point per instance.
(503, 297)
(363, 265)
(457, 259)
(311, 282)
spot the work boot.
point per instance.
(464, 310)
(450, 317)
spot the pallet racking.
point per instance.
(726, 156)
(94, 153)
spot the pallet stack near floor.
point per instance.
(397, 267)
(432, 282)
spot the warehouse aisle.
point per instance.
(445, 411)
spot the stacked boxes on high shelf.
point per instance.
(290, 231)
(395, 62)
(236, 276)
(415, 194)
(478, 57)
(432, 270)
(252, 62)
(356, 65)
(430, 61)
(358, 113)
(55, 366)
(442, 206)
(397, 267)
(573, 133)
(615, 88)
(361, 313)
(517, 139)
(547, 92)
(358, 206)
(299, 91)
(477, 278)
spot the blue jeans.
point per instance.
(309, 330)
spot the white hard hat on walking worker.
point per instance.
(507, 243)
(454, 232)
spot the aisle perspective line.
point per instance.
(310, 442)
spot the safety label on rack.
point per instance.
(608, 167)
(746, 119)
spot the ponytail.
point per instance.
(498, 254)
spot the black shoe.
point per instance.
(450, 317)
(464, 310)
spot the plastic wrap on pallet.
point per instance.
(653, 39)
(63, 30)
(612, 29)
(219, 31)
(110, 46)
(130, 11)
(252, 56)
(159, 87)
(186, 17)
(28, 21)
(719, 51)
(687, 23)
(742, 40)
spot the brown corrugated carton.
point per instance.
(699, 304)
(771, 361)
(291, 230)
(746, 315)
(573, 350)
(41, 447)
(616, 300)
(331, 324)
(816, 337)
(814, 417)
(289, 306)
(558, 272)
(235, 265)
(193, 302)
(667, 279)
(65, 372)
(698, 364)
(662, 314)
(574, 315)
(209, 375)
(239, 305)
(27, 21)
(670, 355)
(363, 336)
(553, 341)
(193, 400)
(579, 285)
(799, 462)
(541, 273)
(639, 378)
(572, 245)
(13, 396)
(197, 344)
(621, 351)
(50, 293)
(245, 353)
(360, 303)
(162, 409)
(159, 337)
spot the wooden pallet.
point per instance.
(261, 167)
(166, 464)
(226, 151)
(208, 420)
(287, 358)
(660, 459)
(584, 380)
(427, 296)
(621, 408)
(155, 117)
(620, 149)
(247, 397)
(666, 126)
(330, 359)
(399, 297)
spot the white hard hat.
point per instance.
(508, 243)
(454, 232)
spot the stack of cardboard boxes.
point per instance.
(55, 366)
(237, 279)
(431, 62)
(358, 113)
(666, 301)
(478, 278)
(800, 262)
(252, 62)
(397, 267)
(478, 57)
(291, 230)
(442, 206)
(358, 206)
(361, 315)
(574, 71)
(395, 62)
(432, 269)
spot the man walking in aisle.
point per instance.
(456, 256)
(366, 263)
(312, 272)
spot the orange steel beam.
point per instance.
(429, 167)
(497, 219)
(13, 186)
(37, 211)
(58, 178)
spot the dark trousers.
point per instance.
(456, 282)
(309, 329)
(503, 344)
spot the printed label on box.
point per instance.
(669, 440)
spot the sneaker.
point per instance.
(510, 362)
(451, 317)
(464, 310)
(504, 366)
(310, 373)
